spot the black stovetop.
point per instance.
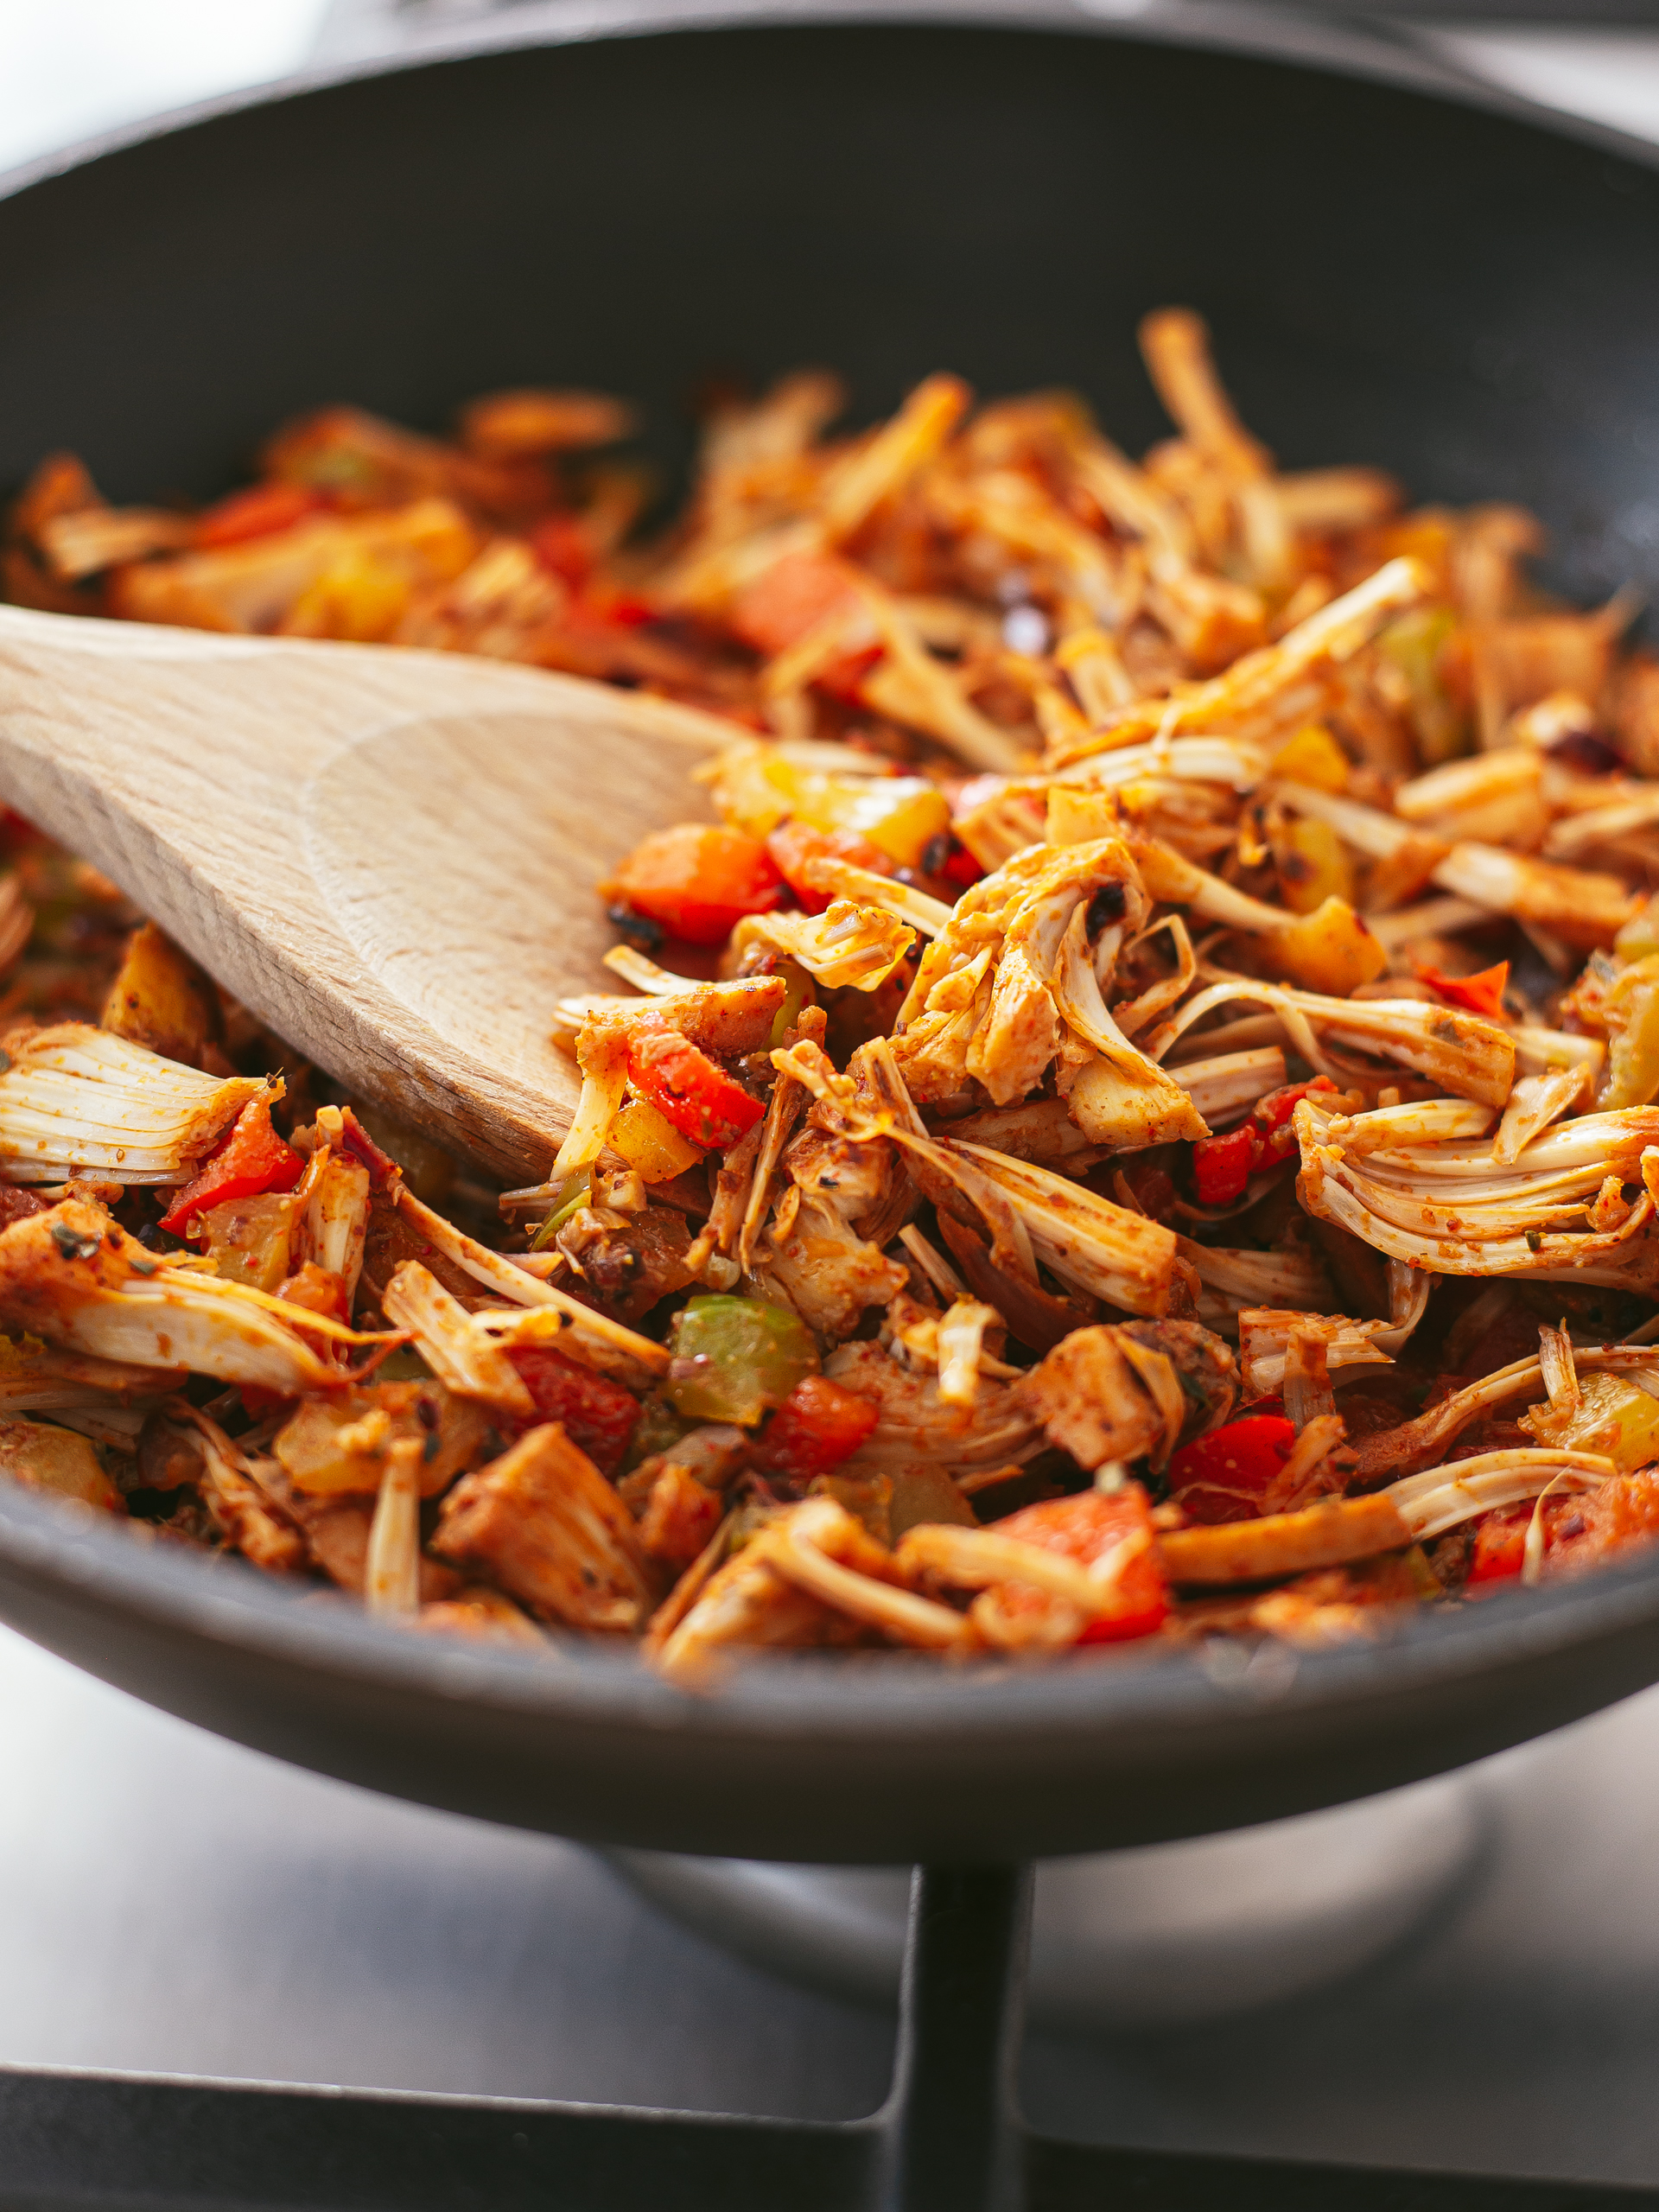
(171, 1904)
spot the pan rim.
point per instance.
(1349, 48)
(1119, 1695)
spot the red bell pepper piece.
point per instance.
(793, 597)
(949, 861)
(599, 1415)
(1575, 1529)
(1221, 1166)
(1274, 1120)
(818, 1425)
(697, 882)
(260, 512)
(1085, 1527)
(1224, 1476)
(622, 610)
(794, 848)
(689, 1090)
(1275, 1111)
(250, 1160)
(1500, 1544)
(1482, 993)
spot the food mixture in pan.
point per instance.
(1130, 1116)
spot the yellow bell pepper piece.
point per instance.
(1313, 865)
(1413, 646)
(1331, 951)
(1631, 1009)
(900, 814)
(1611, 1415)
(356, 597)
(650, 1143)
(756, 788)
(1637, 940)
(1313, 757)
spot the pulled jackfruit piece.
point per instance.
(79, 1101)
(70, 1274)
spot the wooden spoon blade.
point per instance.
(392, 857)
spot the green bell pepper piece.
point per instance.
(735, 1358)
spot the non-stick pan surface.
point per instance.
(1467, 299)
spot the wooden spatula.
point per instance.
(390, 856)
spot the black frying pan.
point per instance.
(1467, 298)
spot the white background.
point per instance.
(71, 68)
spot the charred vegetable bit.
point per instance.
(1132, 1115)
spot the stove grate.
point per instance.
(948, 2139)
